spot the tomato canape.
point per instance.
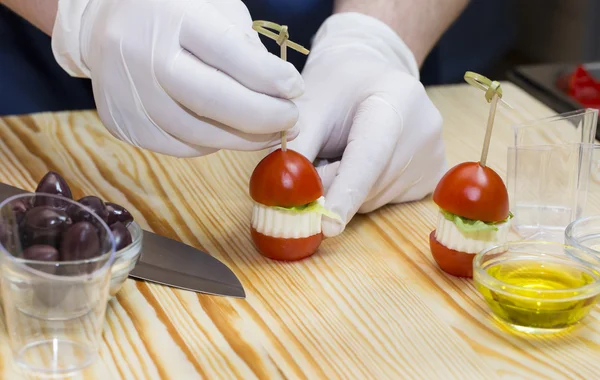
(474, 215)
(288, 206)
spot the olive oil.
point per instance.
(539, 294)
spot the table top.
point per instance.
(371, 304)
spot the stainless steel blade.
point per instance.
(172, 263)
(169, 262)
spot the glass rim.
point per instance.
(584, 290)
(574, 242)
(111, 252)
(551, 118)
(549, 146)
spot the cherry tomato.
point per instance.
(286, 249)
(285, 179)
(456, 263)
(474, 192)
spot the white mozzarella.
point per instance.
(285, 224)
(448, 234)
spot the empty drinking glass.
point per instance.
(549, 173)
(592, 207)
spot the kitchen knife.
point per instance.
(172, 263)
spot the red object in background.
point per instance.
(584, 88)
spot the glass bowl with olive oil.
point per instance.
(537, 287)
(584, 233)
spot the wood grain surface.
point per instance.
(371, 304)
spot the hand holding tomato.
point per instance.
(368, 118)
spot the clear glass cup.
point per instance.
(547, 188)
(592, 206)
(577, 127)
(537, 287)
(55, 266)
(548, 173)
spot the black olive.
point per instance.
(45, 217)
(95, 204)
(46, 296)
(43, 225)
(41, 252)
(121, 235)
(80, 242)
(52, 183)
(118, 213)
(19, 207)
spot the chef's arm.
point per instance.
(41, 13)
(420, 23)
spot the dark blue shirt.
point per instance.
(31, 80)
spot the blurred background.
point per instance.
(556, 31)
(494, 36)
(550, 48)
(538, 44)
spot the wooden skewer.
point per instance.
(283, 46)
(488, 130)
(284, 50)
(493, 94)
(263, 27)
(283, 141)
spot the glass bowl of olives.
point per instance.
(57, 258)
(126, 232)
(126, 258)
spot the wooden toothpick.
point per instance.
(488, 131)
(282, 39)
(493, 94)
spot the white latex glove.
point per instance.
(179, 77)
(364, 103)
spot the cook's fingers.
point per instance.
(214, 39)
(237, 12)
(327, 173)
(173, 118)
(149, 135)
(309, 139)
(212, 94)
(375, 132)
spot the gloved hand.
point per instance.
(183, 78)
(364, 103)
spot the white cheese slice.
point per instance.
(448, 234)
(281, 223)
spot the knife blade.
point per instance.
(172, 263)
(169, 262)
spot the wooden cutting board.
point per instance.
(370, 305)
